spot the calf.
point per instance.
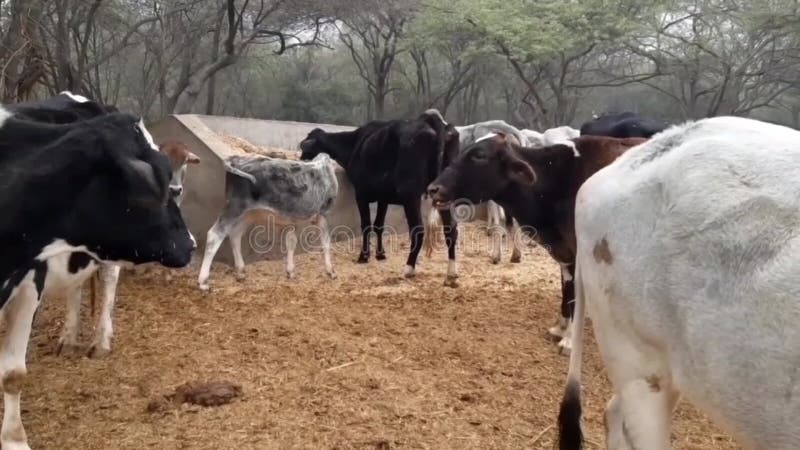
(686, 263)
(622, 125)
(295, 191)
(94, 190)
(539, 186)
(392, 162)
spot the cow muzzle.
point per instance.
(439, 196)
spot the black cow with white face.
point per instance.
(622, 125)
(392, 162)
(73, 195)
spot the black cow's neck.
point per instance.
(41, 184)
(18, 135)
(340, 146)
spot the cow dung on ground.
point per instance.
(369, 360)
(212, 393)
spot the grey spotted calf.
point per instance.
(294, 191)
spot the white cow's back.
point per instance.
(689, 253)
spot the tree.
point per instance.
(373, 35)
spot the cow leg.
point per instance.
(380, 219)
(19, 316)
(325, 238)
(492, 217)
(514, 237)
(291, 244)
(416, 234)
(494, 231)
(214, 239)
(450, 227)
(68, 341)
(562, 330)
(363, 212)
(639, 414)
(235, 239)
(109, 277)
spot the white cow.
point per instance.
(534, 138)
(559, 135)
(688, 262)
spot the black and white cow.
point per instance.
(622, 125)
(292, 191)
(73, 195)
(392, 162)
(687, 263)
(539, 186)
(67, 107)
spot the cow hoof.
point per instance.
(451, 282)
(565, 346)
(362, 259)
(67, 349)
(289, 275)
(332, 275)
(380, 256)
(203, 287)
(516, 258)
(15, 445)
(409, 272)
(556, 332)
(96, 351)
(240, 276)
(495, 260)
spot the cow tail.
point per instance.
(431, 227)
(233, 170)
(92, 291)
(570, 436)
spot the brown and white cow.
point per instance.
(538, 186)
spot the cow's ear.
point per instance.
(519, 170)
(142, 174)
(191, 158)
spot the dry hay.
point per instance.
(244, 147)
(367, 361)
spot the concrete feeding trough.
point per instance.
(214, 138)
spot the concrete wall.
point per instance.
(205, 184)
(266, 133)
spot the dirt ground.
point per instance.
(366, 361)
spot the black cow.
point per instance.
(73, 195)
(392, 162)
(539, 186)
(65, 107)
(622, 125)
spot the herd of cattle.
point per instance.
(681, 243)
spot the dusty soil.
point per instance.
(367, 361)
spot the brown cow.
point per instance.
(538, 186)
(179, 157)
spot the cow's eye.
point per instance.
(480, 156)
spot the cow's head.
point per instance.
(126, 212)
(179, 158)
(312, 145)
(482, 172)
